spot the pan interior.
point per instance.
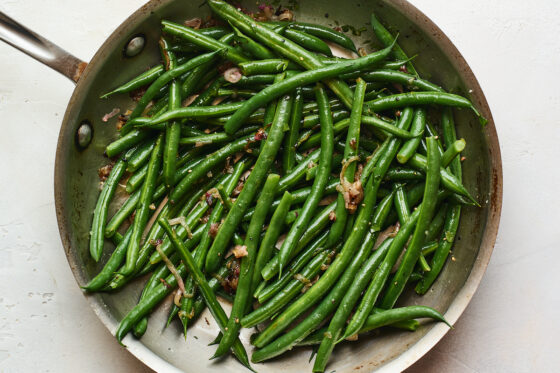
(78, 182)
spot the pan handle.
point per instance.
(41, 49)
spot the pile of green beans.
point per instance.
(251, 137)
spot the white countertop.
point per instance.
(512, 323)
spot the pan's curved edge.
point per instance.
(491, 230)
(65, 137)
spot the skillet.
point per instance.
(78, 159)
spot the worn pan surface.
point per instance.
(76, 184)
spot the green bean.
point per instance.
(269, 66)
(317, 190)
(291, 178)
(388, 317)
(209, 162)
(289, 154)
(271, 236)
(387, 65)
(401, 203)
(417, 129)
(315, 226)
(343, 310)
(386, 39)
(137, 82)
(97, 233)
(212, 32)
(252, 185)
(202, 41)
(421, 98)
(245, 285)
(296, 265)
(167, 77)
(140, 156)
(350, 152)
(189, 112)
(172, 129)
(235, 93)
(141, 80)
(255, 80)
(450, 137)
(209, 297)
(389, 128)
(427, 249)
(307, 41)
(391, 76)
(290, 291)
(298, 80)
(448, 180)
(216, 137)
(143, 208)
(211, 138)
(215, 32)
(452, 152)
(418, 238)
(126, 142)
(117, 257)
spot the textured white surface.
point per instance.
(512, 323)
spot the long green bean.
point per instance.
(317, 190)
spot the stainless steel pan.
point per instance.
(80, 153)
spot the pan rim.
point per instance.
(464, 296)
